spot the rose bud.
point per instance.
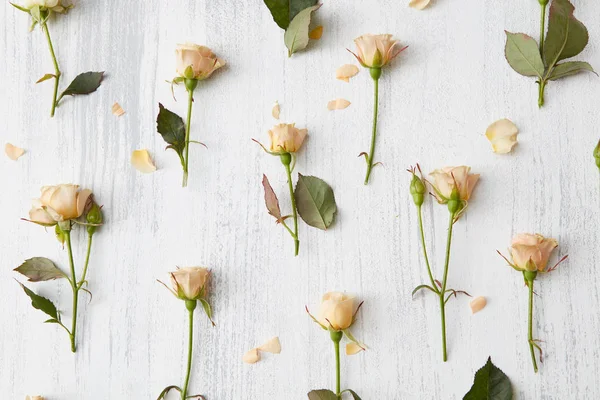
(337, 311)
(417, 187)
(453, 186)
(597, 154)
(196, 62)
(286, 138)
(531, 252)
(94, 217)
(376, 51)
(59, 203)
(189, 283)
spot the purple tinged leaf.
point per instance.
(39, 269)
(271, 200)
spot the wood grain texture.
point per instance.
(436, 102)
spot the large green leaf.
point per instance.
(84, 83)
(566, 36)
(39, 269)
(41, 303)
(490, 384)
(315, 201)
(569, 68)
(523, 55)
(172, 129)
(322, 394)
(284, 11)
(296, 35)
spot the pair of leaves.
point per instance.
(325, 394)
(314, 198)
(293, 16)
(490, 383)
(172, 129)
(39, 269)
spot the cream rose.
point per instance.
(336, 311)
(375, 51)
(197, 62)
(59, 203)
(189, 283)
(531, 252)
(286, 138)
(446, 180)
(29, 4)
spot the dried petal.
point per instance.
(477, 304)
(276, 110)
(503, 136)
(353, 348)
(419, 4)
(346, 71)
(251, 357)
(117, 110)
(13, 152)
(271, 346)
(337, 104)
(140, 159)
(316, 33)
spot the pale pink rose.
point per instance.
(336, 311)
(59, 203)
(531, 252)
(375, 51)
(286, 138)
(449, 178)
(189, 283)
(200, 59)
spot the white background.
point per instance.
(436, 101)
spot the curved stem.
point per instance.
(44, 27)
(336, 345)
(530, 327)
(87, 261)
(187, 137)
(444, 283)
(371, 154)
(75, 290)
(288, 171)
(189, 360)
(420, 214)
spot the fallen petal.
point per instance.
(353, 348)
(276, 110)
(251, 357)
(271, 346)
(502, 134)
(140, 159)
(419, 4)
(13, 152)
(346, 71)
(117, 110)
(316, 33)
(477, 304)
(337, 104)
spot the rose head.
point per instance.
(54, 5)
(336, 311)
(59, 203)
(286, 138)
(196, 62)
(455, 183)
(376, 51)
(189, 283)
(531, 252)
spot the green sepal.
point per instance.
(415, 290)
(18, 7)
(208, 310)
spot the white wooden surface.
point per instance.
(436, 102)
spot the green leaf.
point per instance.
(322, 394)
(46, 77)
(39, 269)
(490, 384)
(296, 35)
(284, 11)
(84, 83)
(207, 310)
(566, 36)
(353, 393)
(167, 390)
(41, 303)
(523, 55)
(315, 201)
(569, 68)
(415, 290)
(271, 200)
(172, 129)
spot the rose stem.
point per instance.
(336, 336)
(443, 290)
(75, 289)
(87, 260)
(371, 154)
(56, 69)
(420, 214)
(288, 171)
(530, 328)
(191, 306)
(542, 83)
(187, 137)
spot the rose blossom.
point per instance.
(447, 179)
(531, 252)
(200, 60)
(375, 51)
(59, 203)
(286, 138)
(336, 311)
(189, 283)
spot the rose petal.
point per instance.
(271, 346)
(502, 134)
(353, 348)
(419, 4)
(346, 71)
(13, 152)
(316, 33)
(276, 110)
(140, 159)
(251, 357)
(477, 304)
(117, 110)
(337, 104)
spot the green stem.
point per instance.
(530, 328)
(87, 260)
(336, 337)
(75, 290)
(444, 283)
(187, 137)
(190, 309)
(371, 154)
(56, 68)
(420, 214)
(288, 171)
(542, 27)
(542, 84)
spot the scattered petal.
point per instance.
(337, 104)
(140, 159)
(503, 136)
(13, 152)
(345, 72)
(316, 33)
(276, 110)
(477, 304)
(271, 346)
(251, 357)
(419, 4)
(34, 398)
(117, 110)
(353, 348)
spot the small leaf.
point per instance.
(415, 290)
(39, 269)
(41, 303)
(566, 36)
(569, 68)
(296, 35)
(167, 390)
(284, 11)
(490, 384)
(523, 55)
(353, 393)
(322, 394)
(315, 201)
(46, 77)
(271, 200)
(84, 83)
(172, 129)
